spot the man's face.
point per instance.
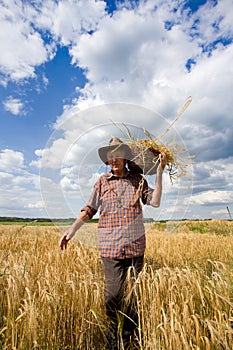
(116, 159)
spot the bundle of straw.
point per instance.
(145, 157)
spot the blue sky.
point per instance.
(67, 67)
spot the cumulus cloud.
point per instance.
(11, 160)
(139, 60)
(19, 187)
(215, 175)
(20, 192)
(5, 178)
(67, 184)
(35, 205)
(14, 105)
(83, 16)
(22, 49)
(213, 197)
(25, 47)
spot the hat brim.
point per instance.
(104, 150)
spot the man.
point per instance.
(119, 194)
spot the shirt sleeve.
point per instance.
(93, 204)
(147, 193)
(90, 211)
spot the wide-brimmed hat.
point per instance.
(114, 144)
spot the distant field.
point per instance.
(32, 223)
(54, 300)
(40, 222)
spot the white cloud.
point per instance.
(133, 58)
(215, 75)
(83, 16)
(11, 160)
(221, 212)
(5, 178)
(35, 205)
(19, 192)
(131, 55)
(14, 105)
(214, 175)
(68, 185)
(23, 46)
(19, 188)
(214, 22)
(213, 197)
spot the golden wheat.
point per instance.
(54, 300)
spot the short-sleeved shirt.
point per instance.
(121, 232)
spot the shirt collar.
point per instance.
(110, 175)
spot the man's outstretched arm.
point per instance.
(81, 219)
(157, 193)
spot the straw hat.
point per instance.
(114, 144)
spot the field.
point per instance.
(54, 300)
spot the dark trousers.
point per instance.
(115, 271)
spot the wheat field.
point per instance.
(51, 299)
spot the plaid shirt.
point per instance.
(120, 229)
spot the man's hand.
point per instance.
(81, 219)
(66, 238)
(163, 160)
(64, 241)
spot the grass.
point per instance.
(54, 300)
